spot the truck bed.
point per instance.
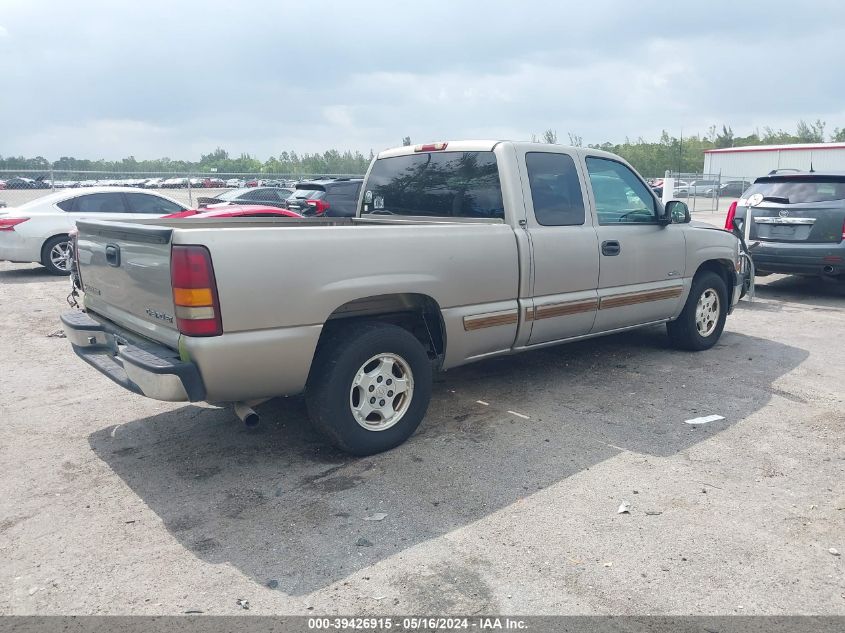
(279, 281)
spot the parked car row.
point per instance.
(39, 230)
(330, 197)
(19, 182)
(206, 182)
(702, 188)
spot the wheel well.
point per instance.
(417, 313)
(721, 267)
(44, 244)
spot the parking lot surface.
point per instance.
(113, 504)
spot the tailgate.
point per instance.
(818, 222)
(125, 270)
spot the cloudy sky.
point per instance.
(165, 78)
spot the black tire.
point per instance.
(46, 251)
(329, 393)
(684, 332)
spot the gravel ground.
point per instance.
(114, 504)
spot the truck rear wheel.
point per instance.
(705, 312)
(369, 387)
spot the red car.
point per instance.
(237, 211)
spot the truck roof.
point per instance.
(482, 146)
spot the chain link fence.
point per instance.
(19, 186)
(703, 192)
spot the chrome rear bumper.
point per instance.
(138, 365)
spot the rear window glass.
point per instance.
(306, 194)
(447, 184)
(796, 190)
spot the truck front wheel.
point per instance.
(703, 318)
(369, 387)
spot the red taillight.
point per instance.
(320, 206)
(195, 291)
(9, 224)
(842, 239)
(729, 220)
(431, 147)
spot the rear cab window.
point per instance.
(437, 184)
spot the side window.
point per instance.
(555, 189)
(620, 195)
(100, 203)
(147, 203)
(258, 195)
(66, 205)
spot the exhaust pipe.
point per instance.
(828, 270)
(247, 415)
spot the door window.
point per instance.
(621, 197)
(555, 189)
(111, 202)
(148, 203)
(260, 195)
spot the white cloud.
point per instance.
(381, 70)
(4, 32)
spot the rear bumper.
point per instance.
(145, 368)
(800, 259)
(15, 247)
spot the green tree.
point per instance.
(725, 138)
(812, 133)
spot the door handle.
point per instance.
(113, 255)
(611, 248)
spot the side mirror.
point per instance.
(677, 212)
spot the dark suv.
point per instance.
(335, 198)
(797, 223)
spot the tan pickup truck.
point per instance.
(460, 251)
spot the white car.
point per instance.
(37, 231)
(236, 183)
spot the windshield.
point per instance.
(800, 189)
(447, 184)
